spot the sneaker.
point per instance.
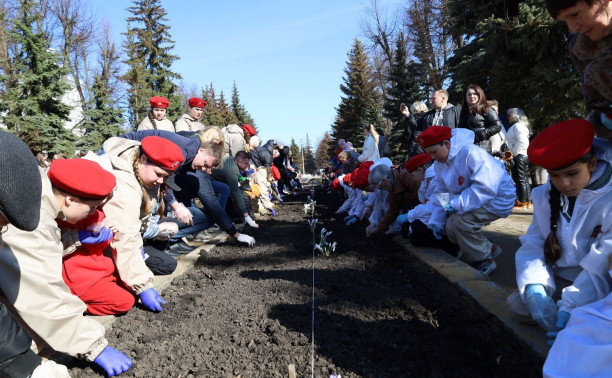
(528, 205)
(485, 266)
(202, 236)
(519, 205)
(181, 247)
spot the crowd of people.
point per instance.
(470, 165)
(86, 235)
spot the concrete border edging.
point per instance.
(485, 292)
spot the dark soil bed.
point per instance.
(378, 313)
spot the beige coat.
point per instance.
(123, 210)
(31, 279)
(234, 140)
(164, 124)
(188, 123)
(260, 177)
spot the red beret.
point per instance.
(82, 178)
(335, 184)
(276, 173)
(348, 179)
(163, 152)
(561, 144)
(417, 161)
(366, 165)
(433, 135)
(360, 178)
(249, 129)
(197, 102)
(159, 102)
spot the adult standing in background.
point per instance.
(591, 52)
(418, 110)
(190, 121)
(157, 119)
(477, 116)
(370, 145)
(518, 141)
(442, 113)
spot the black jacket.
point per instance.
(450, 118)
(412, 131)
(262, 155)
(484, 126)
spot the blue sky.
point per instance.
(287, 57)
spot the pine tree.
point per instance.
(403, 87)
(297, 154)
(518, 54)
(309, 160)
(148, 48)
(359, 103)
(225, 112)
(239, 110)
(31, 104)
(211, 115)
(322, 157)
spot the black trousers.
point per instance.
(421, 236)
(520, 176)
(158, 262)
(16, 358)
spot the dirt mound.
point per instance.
(378, 311)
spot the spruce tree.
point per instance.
(148, 48)
(211, 113)
(359, 103)
(518, 54)
(310, 165)
(297, 154)
(322, 157)
(403, 87)
(239, 110)
(31, 104)
(225, 112)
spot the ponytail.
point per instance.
(152, 119)
(552, 249)
(374, 133)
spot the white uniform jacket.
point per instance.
(586, 242)
(517, 138)
(31, 279)
(370, 150)
(474, 179)
(427, 196)
(381, 206)
(123, 210)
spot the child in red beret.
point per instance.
(71, 190)
(474, 189)
(190, 121)
(569, 241)
(157, 119)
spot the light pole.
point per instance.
(302, 150)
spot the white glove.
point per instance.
(167, 229)
(183, 215)
(50, 369)
(249, 240)
(251, 222)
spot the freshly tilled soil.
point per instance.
(378, 313)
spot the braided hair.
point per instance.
(152, 119)
(552, 248)
(145, 205)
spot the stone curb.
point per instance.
(487, 293)
(185, 263)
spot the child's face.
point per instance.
(418, 175)
(159, 113)
(75, 209)
(439, 152)
(571, 180)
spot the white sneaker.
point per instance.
(203, 236)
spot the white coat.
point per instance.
(350, 192)
(427, 196)
(586, 241)
(358, 204)
(381, 206)
(584, 347)
(474, 180)
(370, 150)
(517, 139)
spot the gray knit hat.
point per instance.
(20, 183)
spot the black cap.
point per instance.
(172, 184)
(20, 183)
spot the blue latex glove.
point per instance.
(347, 218)
(272, 212)
(151, 299)
(113, 361)
(562, 319)
(250, 171)
(436, 232)
(88, 237)
(401, 219)
(449, 209)
(280, 200)
(541, 306)
(351, 221)
(142, 253)
(270, 197)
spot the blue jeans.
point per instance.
(222, 191)
(201, 222)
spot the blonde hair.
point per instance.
(212, 134)
(145, 204)
(344, 155)
(373, 132)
